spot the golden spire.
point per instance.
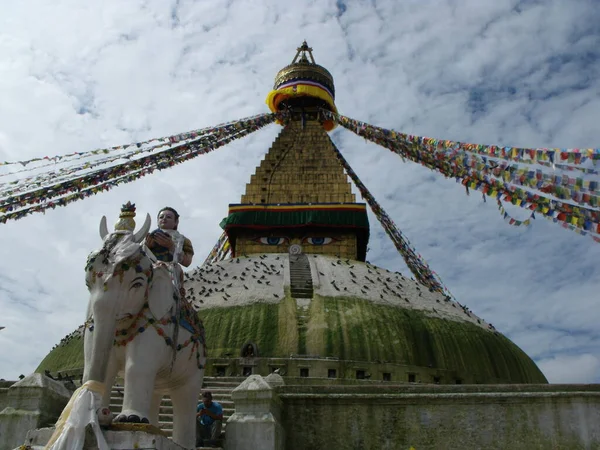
(304, 49)
(303, 84)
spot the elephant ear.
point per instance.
(160, 298)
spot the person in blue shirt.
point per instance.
(209, 419)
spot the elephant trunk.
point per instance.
(99, 341)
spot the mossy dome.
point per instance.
(357, 312)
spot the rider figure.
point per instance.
(167, 244)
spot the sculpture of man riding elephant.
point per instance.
(140, 326)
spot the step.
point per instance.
(220, 387)
(218, 395)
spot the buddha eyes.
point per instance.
(317, 240)
(273, 240)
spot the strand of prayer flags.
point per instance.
(376, 135)
(167, 139)
(219, 251)
(507, 155)
(38, 181)
(83, 188)
(561, 186)
(414, 261)
(576, 189)
(64, 174)
(583, 221)
(98, 176)
(530, 179)
(524, 155)
(513, 221)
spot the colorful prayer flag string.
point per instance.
(512, 221)
(220, 251)
(583, 220)
(64, 193)
(413, 260)
(166, 139)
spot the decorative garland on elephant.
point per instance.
(184, 316)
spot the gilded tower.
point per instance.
(299, 198)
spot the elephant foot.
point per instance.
(131, 418)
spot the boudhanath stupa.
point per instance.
(310, 346)
(297, 288)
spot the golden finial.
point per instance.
(126, 218)
(304, 49)
(304, 82)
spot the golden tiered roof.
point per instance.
(300, 167)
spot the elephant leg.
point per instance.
(185, 402)
(87, 352)
(155, 408)
(111, 374)
(142, 361)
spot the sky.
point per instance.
(76, 76)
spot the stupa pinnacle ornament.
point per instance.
(126, 218)
(126, 223)
(303, 83)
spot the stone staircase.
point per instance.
(220, 387)
(300, 277)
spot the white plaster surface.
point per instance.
(243, 280)
(256, 423)
(238, 281)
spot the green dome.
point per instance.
(348, 318)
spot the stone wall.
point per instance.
(35, 401)
(326, 370)
(441, 417)
(4, 385)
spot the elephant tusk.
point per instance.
(103, 228)
(141, 234)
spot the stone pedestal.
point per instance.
(34, 402)
(128, 437)
(256, 423)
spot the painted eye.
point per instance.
(318, 240)
(137, 285)
(273, 240)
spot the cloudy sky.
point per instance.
(76, 76)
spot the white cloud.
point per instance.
(74, 77)
(571, 369)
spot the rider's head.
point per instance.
(168, 218)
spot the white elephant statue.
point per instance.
(138, 327)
